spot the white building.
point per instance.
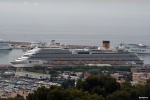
(140, 78)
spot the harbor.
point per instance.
(18, 48)
(12, 84)
(74, 49)
(23, 56)
(58, 54)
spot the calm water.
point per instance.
(9, 55)
(81, 38)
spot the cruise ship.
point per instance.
(4, 45)
(56, 56)
(135, 48)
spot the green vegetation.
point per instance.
(102, 85)
(92, 88)
(129, 92)
(58, 93)
(96, 68)
(38, 69)
(68, 83)
(99, 86)
(53, 73)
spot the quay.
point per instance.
(26, 45)
(19, 45)
(5, 65)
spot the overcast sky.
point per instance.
(75, 15)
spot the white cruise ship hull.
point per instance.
(76, 57)
(135, 48)
(22, 65)
(139, 51)
(26, 63)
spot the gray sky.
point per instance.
(75, 16)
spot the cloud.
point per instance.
(36, 4)
(25, 3)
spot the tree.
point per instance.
(102, 85)
(68, 83)
(119, 95)
(58, 93)
(39, 94)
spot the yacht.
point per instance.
(4, 45)
(134, 48)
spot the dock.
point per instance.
(26, 45)
(5, 65)
(19, 45)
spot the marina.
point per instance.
(12, 85)
(14, 80)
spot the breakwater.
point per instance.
(26, 45)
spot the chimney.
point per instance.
(106, 44)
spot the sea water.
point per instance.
(6, 56)
(80, 38)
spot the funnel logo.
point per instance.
(106, 44)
